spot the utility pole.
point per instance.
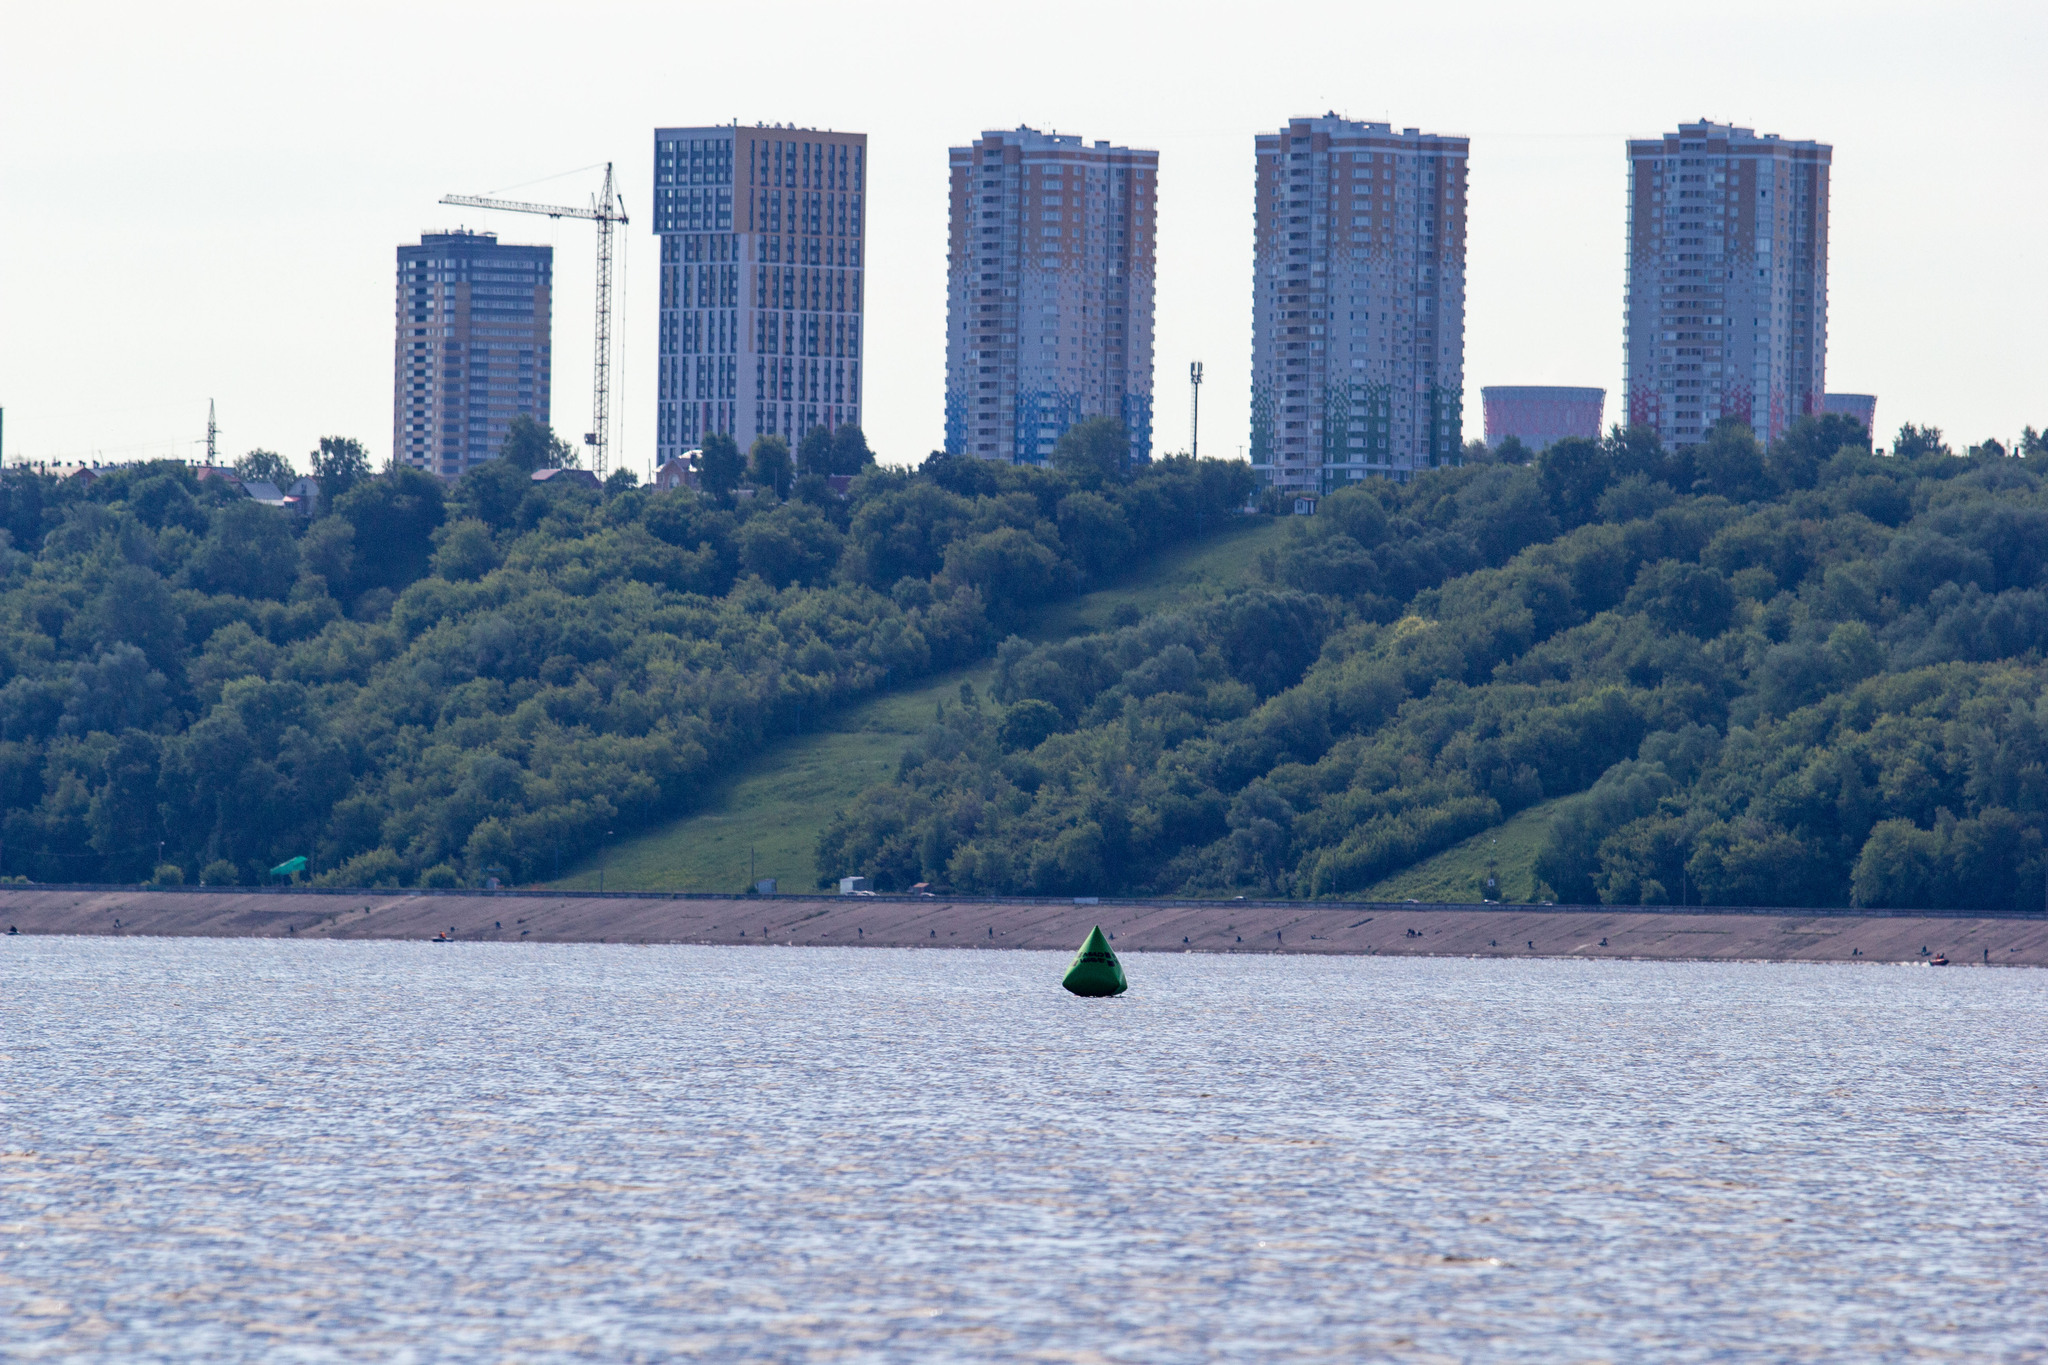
(609, 209)
(1195, 410)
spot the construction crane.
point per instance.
(608, 209)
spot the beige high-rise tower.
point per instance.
(472, 349)
(1048, 292)
(1358, 303)
(1727, 310)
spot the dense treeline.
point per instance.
(1802, 675)
(431, 684)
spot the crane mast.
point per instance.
(609, 209)
(601, 361)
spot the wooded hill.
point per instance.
(429, 685)
(1808, 675)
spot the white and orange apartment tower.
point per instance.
(1727, 308)
(763, 255)
(1358, 303)
(1049, 288)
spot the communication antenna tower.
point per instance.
(1195, 410)
(606, 209)
(212, 431)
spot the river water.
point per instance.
(404, 1151)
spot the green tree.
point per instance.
(1902, 867)
(1574, 473)
(1029, 723)
(1096, 450)
(529, 446)
(814, 452)
(720, 466)
(491, 844)
(770, 464)
(1731, 463)
(328, 549)
(465, 550)
(1260, 823)
(789, 544)
(1010, 567)
(340, 464)
(1637, 450)
(903, 532)
(165, 500)
(492, 491)
(850, 453)
(1915, 441)
(266, 466)
(1991, 861)
(1795, 458)
(1511, 450)
(1095, 531)
(395, 516)
(1643, 863)
(136, 607)
(248, 552)
(1683, 599)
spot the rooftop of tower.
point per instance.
(1336, 126)
(1706, 130)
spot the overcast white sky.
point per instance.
(202, 200)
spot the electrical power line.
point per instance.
(559, 175)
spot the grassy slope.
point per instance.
(1458, 874)
(776, 805)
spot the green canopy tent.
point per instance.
(291, 868)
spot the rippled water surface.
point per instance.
(227, 1149)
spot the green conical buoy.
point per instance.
(1096, 970)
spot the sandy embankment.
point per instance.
(1060, 926)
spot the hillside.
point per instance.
(767, 813)
(1506, 852)
(432, 685)
(1720, 674)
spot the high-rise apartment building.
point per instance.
(473, 347)
(1049, 292)
(763, 238)
(1727, 312)
(1358, 303)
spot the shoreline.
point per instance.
(1616, 932)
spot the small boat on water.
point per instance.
(1939, 960)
